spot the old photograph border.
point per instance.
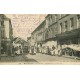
(9, 72)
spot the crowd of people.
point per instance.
(43, 50)
(17, 50)
(68, 50)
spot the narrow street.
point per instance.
(38, 59)
(43, 58)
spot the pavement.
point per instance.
(18, 58)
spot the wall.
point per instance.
(67, 18)
(6, 25)
(52, 26)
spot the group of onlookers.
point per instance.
(44, 50)
(17, 50)
(32, 50)
(70, 52)
(50, 50)
(67, 51)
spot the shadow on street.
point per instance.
(19, 58)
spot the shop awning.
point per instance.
(69, 34)
(74, 47)
(51, 39)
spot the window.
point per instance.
(65, 25)
(46, 35)
(61, 27)
(60, 15)
(78, 18)
(32, 37)
(51, 18)
(71, 23)
(2, 23)
(49, 21)
(55, 17)
(2, 33)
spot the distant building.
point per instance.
(38, 35)
(29, 41)
(20, 42)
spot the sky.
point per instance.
(24, 24)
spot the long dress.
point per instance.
(30, 50)
(18, 51)
(34, 50)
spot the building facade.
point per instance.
(58, 30)
(38, 35)
(29, 41)
(68, 29)
(6, 35)
(51, 30)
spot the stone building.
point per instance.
(38, 35)
(58, 30)
(51, 31)
(29, 41)
(34, 37)
(45, 33)
(69, 29)
(41, 33)
(6, 35)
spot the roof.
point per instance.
(38, 27)
(19, 40)
(47, 15)
(2, 16)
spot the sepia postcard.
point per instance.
(39, 39)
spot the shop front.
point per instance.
(6, 47)
(67, 39)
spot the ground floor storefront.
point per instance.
(69, 42)
(6, 47)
